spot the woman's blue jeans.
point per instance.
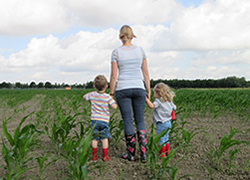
(132, 102)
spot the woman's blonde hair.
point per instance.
(126, 33)
(165, 92)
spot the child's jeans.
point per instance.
(161, 127)
(101, 130)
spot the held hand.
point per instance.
(148, 95)
(112, 95)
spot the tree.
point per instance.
(5, 85)
(89, 85)
(32, 84)
(18, 85)
(48, 85)
(243, 82)
(40, 85)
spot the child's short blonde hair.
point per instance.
(100, 82)
(164, 91)
(126, 33)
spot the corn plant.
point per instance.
(16, 152)
(169, 167)
(187, 136)
(216, 153)
(159, 170)
(246, 166)
(44, 114)
(120, 177)
(116, 128)
(77, 154)
(210, 170)
(231, 158)
(153, 149)
(174, 134)
(180, 135)
(43, 164)
(102, 169)
(59, 129)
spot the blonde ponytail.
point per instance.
(126, 33)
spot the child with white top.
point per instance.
(100, 102)
(163, 107)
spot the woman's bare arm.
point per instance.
(113, 77)
(150, 104)
(146, 77)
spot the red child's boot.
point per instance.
(173, 115)
(105, 154)
(94, 154)
(167, 148)
(162, 152)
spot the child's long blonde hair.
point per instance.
(164, 91)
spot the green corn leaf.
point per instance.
(6, 133)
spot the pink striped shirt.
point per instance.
(99, 105)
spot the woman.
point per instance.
(131, 62)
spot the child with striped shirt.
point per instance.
(100, 102)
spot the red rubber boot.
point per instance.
(105, 154)
(162, 152)
(94, 154)
(167, 148)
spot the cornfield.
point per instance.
(46, 134)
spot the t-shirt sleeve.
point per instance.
(87, 96)
(111, 101)
(143, 53)
(156, 103)
(114, 56)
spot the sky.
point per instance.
(71, 41)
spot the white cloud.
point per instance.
(83, 53)
(29, 17)
(225, 58)
(77, 55)
(214, 25)
(104, 13)
(40, 52)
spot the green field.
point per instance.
(46, 134)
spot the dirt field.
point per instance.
(195, 162)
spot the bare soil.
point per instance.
(195, 162)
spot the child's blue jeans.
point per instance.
(101, 130)
(161, 127)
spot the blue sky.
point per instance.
(71, 41)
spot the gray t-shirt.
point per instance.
(129, 59)
(162, 111)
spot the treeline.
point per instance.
(229, 82)
(40, 85)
